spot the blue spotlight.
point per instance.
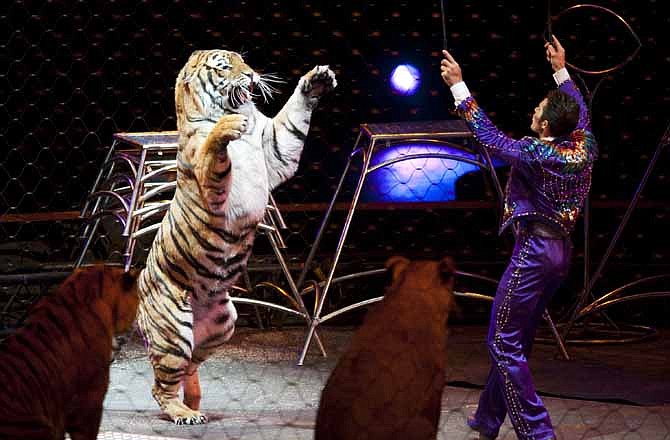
(405, 79)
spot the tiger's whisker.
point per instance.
(268, 86)
(269, 77)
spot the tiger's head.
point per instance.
(422, 277)
(109, 291)
(216, 82)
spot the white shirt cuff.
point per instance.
(460, 92)
(561, 76)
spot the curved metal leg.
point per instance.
(133, 223)
(99, 179)
(292, 286)
(308, 341)
(367, 155)
(88, 233)
(324, 222)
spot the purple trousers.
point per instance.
(537, 268)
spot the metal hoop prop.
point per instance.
(609, 12)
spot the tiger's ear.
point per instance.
(395, 266)
(190, 69)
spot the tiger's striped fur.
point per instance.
(230, 157)
(55, 369)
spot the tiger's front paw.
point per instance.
(229, 128)
(318, 81)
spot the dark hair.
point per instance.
(561, 112)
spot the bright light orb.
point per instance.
(405, 79)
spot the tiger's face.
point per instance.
(113, 288)
(214, 82)
(435, 278)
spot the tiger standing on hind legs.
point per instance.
(230, 157)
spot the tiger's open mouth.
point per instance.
(238, 95)
(245, 96)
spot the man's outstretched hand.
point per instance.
(450, 70)
(555, 54)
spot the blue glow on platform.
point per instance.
(417, 180)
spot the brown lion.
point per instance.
(388, 384)
(55, 370)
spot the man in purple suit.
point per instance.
(549, 181)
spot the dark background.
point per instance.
(72, 73)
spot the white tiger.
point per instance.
(230, 157)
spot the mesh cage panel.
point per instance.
(74, 73)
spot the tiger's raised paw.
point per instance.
(318, 81)
(230, 127)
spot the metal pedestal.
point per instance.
(138, 171)
(372, 138)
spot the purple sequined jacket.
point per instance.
(550, 179)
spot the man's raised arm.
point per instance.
(556, 56)
(488, 135)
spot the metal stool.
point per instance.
(453, 134)
(136, 184)
(138, 168)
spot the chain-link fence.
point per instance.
(74, 73)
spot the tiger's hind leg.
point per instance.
(191, 385)
(211, 331)
(168, 332)
(169, 372)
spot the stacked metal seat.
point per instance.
(135, 186)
